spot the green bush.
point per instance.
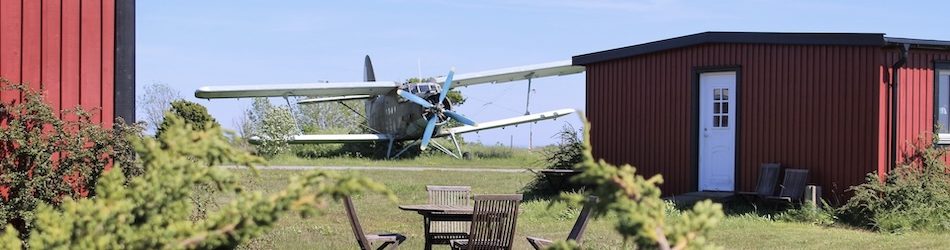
(313, 151)
(498, 151)
(811, 214)
(45, 160)
(193, 114)
(154, 210)
(642, 216)
(566, 154)
(274, 130)
(914, 196)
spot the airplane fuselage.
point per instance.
(393, 115)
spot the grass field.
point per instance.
(482, 156)
(331, 231)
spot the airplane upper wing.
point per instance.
(507, 122)
(514, 73)
(299, 89)
(334, 99)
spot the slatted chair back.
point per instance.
(768, 179)
(450, 196)
(494, 220)
(355, 223)
(794, 184)
(581, 224)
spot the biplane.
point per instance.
(398, 111)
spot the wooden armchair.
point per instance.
(493, 223)
(370, 241)
(441, 232)
(768, 180)
(577, 232)
(793, 186)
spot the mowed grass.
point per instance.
(753, 232)
(538, 218)
(482, 157)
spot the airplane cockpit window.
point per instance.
(423, 88)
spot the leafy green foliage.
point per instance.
(153, 211)
(914, 196)
(274, 130)
(154, 101)
(566, 154)
(45, 160)
(641, 214)
(193, 114)
(272, 125)
(823, 215)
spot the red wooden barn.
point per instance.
(79, 52)
(705, 110)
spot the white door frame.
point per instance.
(716, 144)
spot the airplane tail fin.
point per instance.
(368, 75)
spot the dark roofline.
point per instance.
(918, 43)
(850, 39)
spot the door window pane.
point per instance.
(725, 94)
(717, 94)
(943, 102)
(715, 121)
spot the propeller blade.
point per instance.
(414, 98)
(428, 132)
(446, 86)
(459, 117)
(368, 75)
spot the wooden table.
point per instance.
(432, 213)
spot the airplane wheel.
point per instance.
(466, 155)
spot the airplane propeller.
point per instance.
(437, 109)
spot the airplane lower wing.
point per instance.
(558, 68)
(299, 89)
(338, 138)
(507, 122)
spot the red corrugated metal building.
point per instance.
(79, 52)
(705, 110)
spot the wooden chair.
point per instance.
(768, 180)
(368, 241)
(576, 233)
(793, 186)
(493, 223)
(441, 232)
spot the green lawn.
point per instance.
(331, 231)
(483, 157)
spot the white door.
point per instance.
(717, 131)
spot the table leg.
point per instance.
(425, 229)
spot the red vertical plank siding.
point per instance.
(63, 48)
(90, 57)
(884, 115)
(108, 68)
(52, 42)
(812, 107)
(31, 44)
(10, 46)
(70, 57)
(916, 123)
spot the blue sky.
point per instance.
(188, 44)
